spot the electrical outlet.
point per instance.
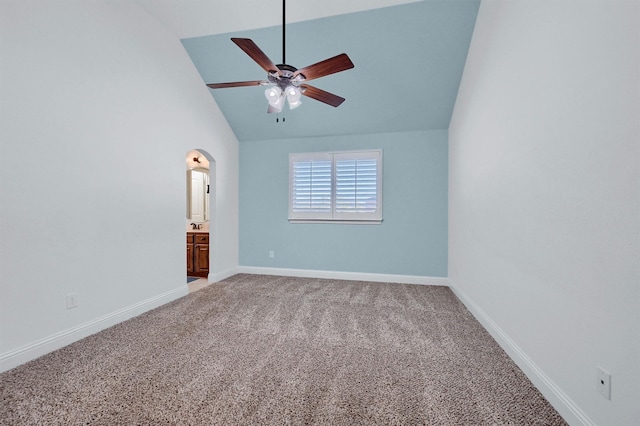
(604, 383)
(272, 254)
(72, 300)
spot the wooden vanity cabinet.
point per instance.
(197, 254)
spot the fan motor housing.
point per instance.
(286, 78)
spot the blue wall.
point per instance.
(412, 240)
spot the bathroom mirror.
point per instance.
(198, 195)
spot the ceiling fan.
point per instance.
(286, 81)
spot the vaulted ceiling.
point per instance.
(408, 57)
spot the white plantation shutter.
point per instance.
(340, 186)
(311, 186)
(356, 188)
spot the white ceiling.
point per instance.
(194, 18)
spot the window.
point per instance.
(336, 187)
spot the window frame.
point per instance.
(334, 216)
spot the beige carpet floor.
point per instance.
(274, 350)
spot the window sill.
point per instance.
(338, 221)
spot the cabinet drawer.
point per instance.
(189, 238)
(201, 238)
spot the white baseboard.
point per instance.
(352, 276)
(48, 344)
(219, 276)
(551, 391)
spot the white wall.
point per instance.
(99, 105)
(544, 229)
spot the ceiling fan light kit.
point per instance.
(285, 81)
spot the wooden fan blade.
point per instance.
(321, 95)
(252, 49)
(326, 67)
(237, 84)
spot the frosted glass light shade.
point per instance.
(293, 96)
(275, 98)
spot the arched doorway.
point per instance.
(200, 217)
